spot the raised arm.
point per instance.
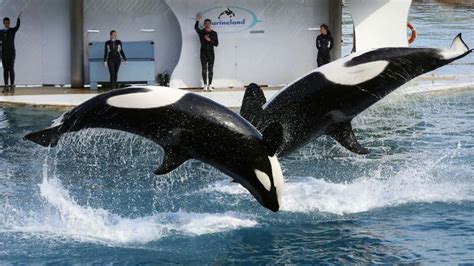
(196, 25)
(17, 26)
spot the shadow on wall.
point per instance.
(135, 20)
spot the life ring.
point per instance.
(413, 33)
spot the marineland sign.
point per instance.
(233, 19)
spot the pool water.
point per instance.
(94, 197)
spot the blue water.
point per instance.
(94, 199)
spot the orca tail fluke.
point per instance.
(457, 50)
(47, 137)
(458, 44)
(252, 104)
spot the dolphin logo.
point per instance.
(228, 13)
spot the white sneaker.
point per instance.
(209, 88)
(205, 88)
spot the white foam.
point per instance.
(412, 185)
(365, 194)
(226, 187)
(68, 219)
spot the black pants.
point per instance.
(207, 63)
(323, 58)
(8, 63)
(114, 66)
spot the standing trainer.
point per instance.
(324, 43)
(113, 54)
(9, 53)
(208, 39)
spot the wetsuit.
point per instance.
(9, 53)
(324, 43)
(112, 52)
(207, 52)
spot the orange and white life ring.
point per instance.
(413, 33)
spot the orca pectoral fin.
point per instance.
(273, 138)
(343, 133)
(173, 159)
(254, 99)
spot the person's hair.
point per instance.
(207, 20)
(112, 31)
(326, 28)
(6, 19)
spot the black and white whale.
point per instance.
(325, 101)
(187, 126)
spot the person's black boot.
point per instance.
(5, 89)
(12, 88)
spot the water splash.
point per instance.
(61, 216)
(415, 183)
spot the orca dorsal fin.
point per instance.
(343, 133)
(252, 104)
(273, 137)
(172, 159)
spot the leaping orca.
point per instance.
(187, 126)
(325, 101)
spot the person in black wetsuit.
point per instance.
(208, 39)
(112, 52)
(9, 53)
(324, 43)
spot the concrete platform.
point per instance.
(230, 97)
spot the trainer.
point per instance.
(9, 53)
(208, 39)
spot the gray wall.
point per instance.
(42, 44)
(128, 17)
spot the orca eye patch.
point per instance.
(264, 179)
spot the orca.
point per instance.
(187, 126)
(325, 101)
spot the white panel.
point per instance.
(55, 42)
(285, 51)
(42, 43)
(380, 23)
(129, 17)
